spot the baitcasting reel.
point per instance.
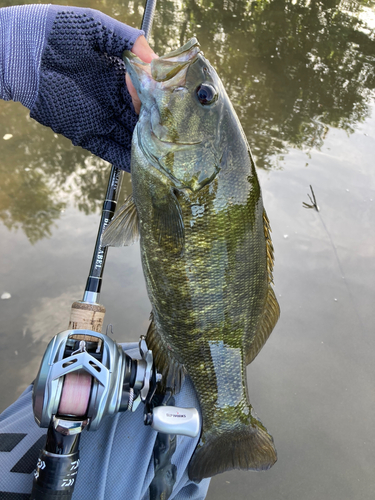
(118, 382)
(85, 376)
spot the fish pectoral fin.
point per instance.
(123, 230)
(169, 229)
(248, 447)
(173, 373)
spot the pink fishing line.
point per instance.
(75, 394)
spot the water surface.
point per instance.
(301, 77)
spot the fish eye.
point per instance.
(206, 94)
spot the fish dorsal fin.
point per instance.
(271, 310)
(123, 230)
(169, 229)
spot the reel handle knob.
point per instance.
(174, 420)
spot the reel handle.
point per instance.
(174, 420)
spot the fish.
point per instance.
(206, 250)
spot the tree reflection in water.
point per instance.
(41, 172)
(292, 70)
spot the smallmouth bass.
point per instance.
(206, 251)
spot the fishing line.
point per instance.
(75, 395)
(315, 206)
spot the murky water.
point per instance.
(301, 77)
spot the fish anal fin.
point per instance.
(249, 447)
(173, 373)
(268, 320)
(269, 246)
(271, 310)
(123, 230)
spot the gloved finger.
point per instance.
(93, 103)
(95, 29)
(82, 92)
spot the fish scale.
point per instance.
(206, 251)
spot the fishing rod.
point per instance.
(84, 366)
(94, 314)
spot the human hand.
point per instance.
(82, 92)
(141, 49)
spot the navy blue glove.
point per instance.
(64, 64)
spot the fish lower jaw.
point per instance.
(193, 185)
(168, 141)
(175, 143)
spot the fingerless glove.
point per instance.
(64, 64)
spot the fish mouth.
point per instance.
(166, 67)
(162, 74)
(169, 70)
